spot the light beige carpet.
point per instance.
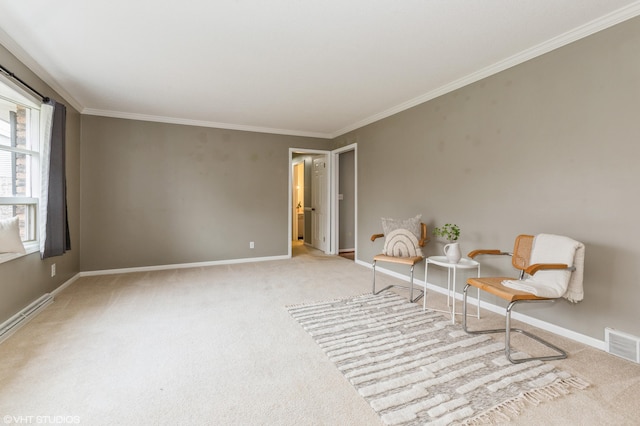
(217, 346)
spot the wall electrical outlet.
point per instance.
(53, 270)
(252, 245)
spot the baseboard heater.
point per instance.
(622, 344)
(21, 318)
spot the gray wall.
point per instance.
(162, 194)
(25, 279)
(548, 146)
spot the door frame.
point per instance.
(333, 189)
(290, 193)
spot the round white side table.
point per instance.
(451, 281)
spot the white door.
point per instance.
(319, 199)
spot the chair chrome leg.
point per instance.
(411, 291)
(561, 354)
(373, 267)
(411, 284)
(373, 291)
(411, 299)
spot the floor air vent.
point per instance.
(622, 344)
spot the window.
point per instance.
(19, 162)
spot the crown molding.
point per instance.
(40, 72)
(578, 33)
(604, 22)
(203, 123)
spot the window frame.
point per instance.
(13, 93)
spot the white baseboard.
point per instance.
(561, 331)
(368, 265)
(180, 266)
(543, 325)
(65, 284)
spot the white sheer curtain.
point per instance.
(46, 127)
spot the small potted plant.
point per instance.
(450, 232)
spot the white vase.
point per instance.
(452, 252)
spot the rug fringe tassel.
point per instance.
(516, 406)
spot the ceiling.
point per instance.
(298, 67)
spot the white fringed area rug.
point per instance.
(415, 367)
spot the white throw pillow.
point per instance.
(10, 241)
(412, 225)
(401, 243)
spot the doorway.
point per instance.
(333, 208)
(309, 207)
(297, 223)
(345, 209)
(346, 204)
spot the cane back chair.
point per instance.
(410, 261)
(493, 285)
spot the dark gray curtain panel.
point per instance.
(57, 239)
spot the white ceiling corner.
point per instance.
(292, 67)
